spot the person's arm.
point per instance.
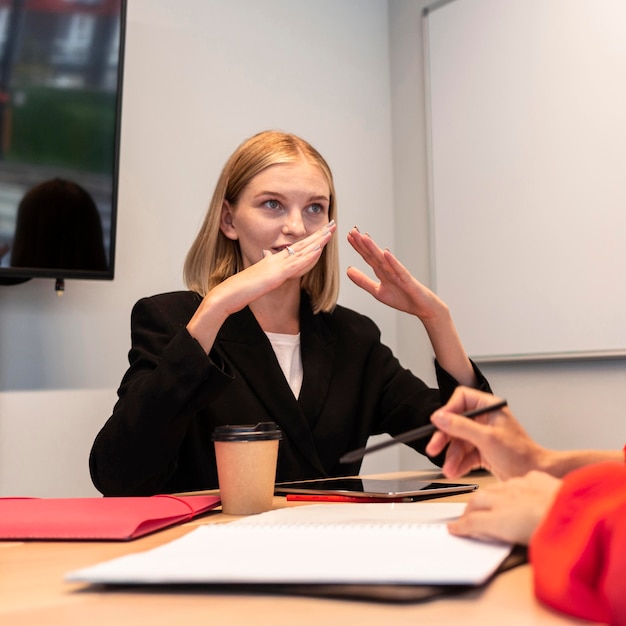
(169, 379)
(497, 442)
(250, 284)
(575, 528)
(561, 462)
(578, 552)
(397, 288)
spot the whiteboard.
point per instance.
(527, 159)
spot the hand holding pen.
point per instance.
(417, 433)
(496, 441)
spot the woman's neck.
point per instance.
(279, 310)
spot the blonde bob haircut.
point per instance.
(213, 257)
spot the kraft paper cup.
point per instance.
(246, 466)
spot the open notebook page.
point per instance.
(397, 543)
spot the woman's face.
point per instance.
(281, 205)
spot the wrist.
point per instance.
(207, 320)
(556, 462)
(438, 316)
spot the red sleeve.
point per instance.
(578, 552)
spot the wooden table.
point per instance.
(33, 593)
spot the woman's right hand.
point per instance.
(255, 281)
(495, 441)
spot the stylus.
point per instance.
(416, 433)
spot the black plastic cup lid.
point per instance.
(262, 431)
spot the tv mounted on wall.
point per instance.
(60, 106)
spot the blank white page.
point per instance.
(402, 543)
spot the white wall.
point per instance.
(562, 404)
(200, 76)
(544, 184)
(45, 438)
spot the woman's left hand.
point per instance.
(509, 511)
(396, 287)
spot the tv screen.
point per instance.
(60, 104)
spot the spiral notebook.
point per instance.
(328, 544)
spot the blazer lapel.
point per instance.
(318, 350)
(248, 348)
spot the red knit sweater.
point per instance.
(579, 551)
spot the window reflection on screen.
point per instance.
(59, 107)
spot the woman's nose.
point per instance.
(294, 224)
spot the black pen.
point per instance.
(416, 433)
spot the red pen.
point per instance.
(332, 497)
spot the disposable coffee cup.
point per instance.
(246, 466)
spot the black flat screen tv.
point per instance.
(60, 106)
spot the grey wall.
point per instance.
(201, 75)
(528, 153)
(562, 404)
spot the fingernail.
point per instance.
(331, 223)
(440, 418)
(357, 229)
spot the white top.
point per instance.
(287, 349)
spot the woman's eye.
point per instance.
(316, 208)
(272, 204)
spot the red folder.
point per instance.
(85, 519)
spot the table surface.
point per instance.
(33, 592)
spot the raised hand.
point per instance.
(253, 282)
(396, 287)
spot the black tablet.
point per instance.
(391, 488)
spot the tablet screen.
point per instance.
(374, 487)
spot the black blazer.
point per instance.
(173, 395)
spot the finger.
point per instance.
(319, 242)
(457, 426)
(381, 271)
(366, 247)
(357, 239)
(313, 243)
(377, 259)
(437, 443)
(395, 267)
(478, 525)
(454, 426)
(482, 500)
(465, 398)
(363, 253)
(460, 459)
(362, 280)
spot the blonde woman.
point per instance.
(259, 337)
